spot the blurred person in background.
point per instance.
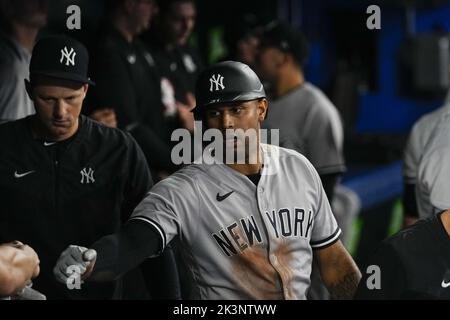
(179, 62)
(242, 40)
(308, 121)
(20, 22)
(65, 178)
(413, 264)
(423, 140)
(129, 85)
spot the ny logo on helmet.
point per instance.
(69, 55)
(217, 80)
(87, 175)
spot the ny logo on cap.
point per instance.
(216, 79)
(70, 56)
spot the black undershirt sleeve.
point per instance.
(123, 251)
(329, 182)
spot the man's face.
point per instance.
(270, 59)
(32, 13)
(247, 49)
(141, 13)
(180, 22)
(58, 105)
(238, 115)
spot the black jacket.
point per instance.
(71, 192)
(128, 82)
(413, 264)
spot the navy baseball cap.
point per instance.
(60, 57)
(287, 39)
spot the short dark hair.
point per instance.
(166, 5)
(13, 10)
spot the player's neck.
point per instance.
(246, 169)
(290, 79)
(445, 218)
(252, 166)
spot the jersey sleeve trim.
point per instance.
(156, 226)
(327, 241)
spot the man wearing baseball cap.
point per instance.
(247, 229)
(64, 178)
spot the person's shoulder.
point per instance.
(312, 91)
(182, 182)
(433, 135)
(7, 49)
(318, 101)
(428, 121)
(412, 239)
(15, 126)
(106, 135)
(192, 172)
(285, 156)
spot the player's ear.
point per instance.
(29, 89)
(262, 109)
(85, 89)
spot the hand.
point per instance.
(105, 116)
(74, 256)
(184, 112)
(28, 252)
(31, 253)
(408, 221)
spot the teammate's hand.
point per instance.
(29, 254)
(74, 259)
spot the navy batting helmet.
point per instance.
(228, 81)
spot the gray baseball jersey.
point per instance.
(310, 124)
(242, 241)
(432, 187)
(423, 135)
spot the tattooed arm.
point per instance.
(338, 270)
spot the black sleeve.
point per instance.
(391, 276)
(329, 182)
(139, 179)
(161, 276)
(125, 250)
(409, 201)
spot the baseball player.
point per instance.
(412, 264)
(247, 230)
(432, 191)
(426, 144)
(63, 177)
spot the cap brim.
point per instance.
(232, 97)
(64, 76)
